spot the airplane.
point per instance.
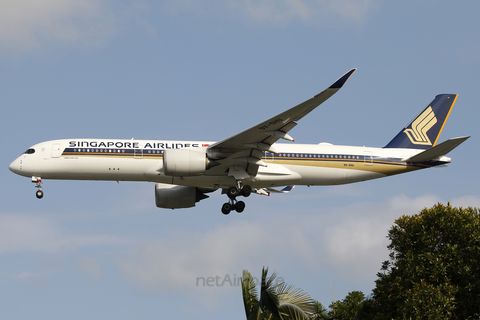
(248, 162)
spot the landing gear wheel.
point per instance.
(233, 192)
(239, 206)
(226, 208)
(246, 190)
(39, 194)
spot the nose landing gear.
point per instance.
(38, 185)
(232, 193)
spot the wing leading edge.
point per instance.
(241, 154)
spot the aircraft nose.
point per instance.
(14, 166)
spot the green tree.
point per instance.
(348, 308)
(434, 266)
(275, 301)
(320, 312)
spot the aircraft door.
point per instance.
(138, 153)
(56, 150)
(268, 156)
(368, 160)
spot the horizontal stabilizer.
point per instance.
(284, 190)
(267, 191)
(438, 151)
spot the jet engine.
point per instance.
(170, 196)
(185, 162)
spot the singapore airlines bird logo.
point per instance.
(417, 133)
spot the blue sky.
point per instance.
(206, 70)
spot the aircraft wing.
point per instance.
(241, 154)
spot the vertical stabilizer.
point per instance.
(423, 131)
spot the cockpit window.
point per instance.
(30, 151)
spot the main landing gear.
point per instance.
(232, 194)
(38, 185)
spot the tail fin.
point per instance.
(423, 131)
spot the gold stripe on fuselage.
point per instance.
(377, 166)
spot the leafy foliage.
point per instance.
(433, 273)
(320, 313)
(349, 307)
(434, 266)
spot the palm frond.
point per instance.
(249, 293)
(294, 301)
(290, 312)
(276, 301)
(268, 296)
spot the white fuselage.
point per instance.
(142, 160)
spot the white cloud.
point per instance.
(27, 23)
(24, 232)
(355, 239)
(36, 280)
(90, 268)
(354, 10)
(275, 12)
(466, 201)
(33, 24)
(24, 275)
(177, 262)
(344, 242)
(348, 241)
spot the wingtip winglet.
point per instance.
(340, 82)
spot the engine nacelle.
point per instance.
(185, 162)
(170, 196)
